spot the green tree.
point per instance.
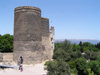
(6, 43)
(91, 55)
(61, 54)
(57, 68)
(67, 45)
(90, 47)
(75, 47)
(95, 67)
(81, 46)
(75, 55)
(62, 51)
(97, 45)
(81, 66)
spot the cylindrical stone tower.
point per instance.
(27, 24)
(27, 34)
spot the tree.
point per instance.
(75, 55)
(61, 54)
(95, 67)
(57, 68)
(81, 46)
(62, 51)
(75, 47)
(97, 45)
(66, 45)
(6, 43)
(81, 66)
(90, 47)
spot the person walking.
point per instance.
(21, 63)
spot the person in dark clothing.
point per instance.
(20, 63)
(21, 60)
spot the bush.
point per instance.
(81, 66)
(57, 68)
(95, 67)
(61, 54)
(76, 55)
(6, 43)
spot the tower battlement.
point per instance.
(27, 8)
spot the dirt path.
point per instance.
(37, 69)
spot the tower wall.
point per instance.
(46, 41)
(27, 24)
(32, 38)
(45, 26)
(27, 35)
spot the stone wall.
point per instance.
(45, 26)
(32, 38)
(1, 57)
(31, 51)
(6, 57)
(47, 47)
(27, 24)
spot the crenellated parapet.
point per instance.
(28, 9)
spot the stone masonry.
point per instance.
(32, 38)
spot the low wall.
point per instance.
(6, 57)
(1, 57)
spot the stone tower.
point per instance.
(32, 38)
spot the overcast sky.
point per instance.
(72, 19)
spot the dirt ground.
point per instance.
(37, 69)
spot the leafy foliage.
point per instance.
(6, 43)
(82, 58)
(57, 68)
(61, 56)
(81, 66)
(97, 45)
(90, 72)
